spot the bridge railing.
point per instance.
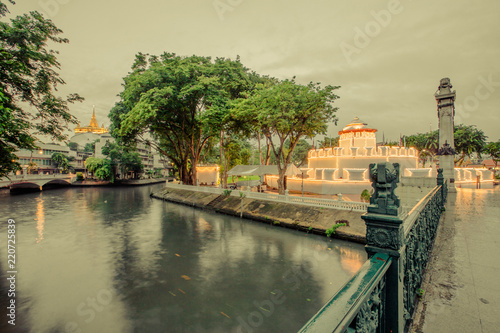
(362, 300)
(406, 240)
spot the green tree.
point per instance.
(28, 77)
(60, 161)
(329, 142)
(365, 196)
(287, 110)
(180, 101)
(73, 145)
(122, 157)
(131, 161)
(13, 134)
(100, 167)
(421, 141)
(493, 150)
(32, 167)
(468, 140)
(300, 153)
(90, 147)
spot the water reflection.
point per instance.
(114, 260)
(40, 219)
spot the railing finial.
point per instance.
(384, 177)
(440, 177)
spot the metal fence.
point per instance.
(382, 296)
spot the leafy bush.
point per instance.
(79, 176)
(365, 196)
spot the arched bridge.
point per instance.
(36, 183)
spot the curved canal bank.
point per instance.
(304, 218)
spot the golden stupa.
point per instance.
(92, 128)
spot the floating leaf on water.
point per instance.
(185, 277)
(308, 299)
(182, 291)
(171, 293)
(225, 315)
(178, 255)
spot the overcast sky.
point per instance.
(387, 56)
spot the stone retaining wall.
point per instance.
(300, 217)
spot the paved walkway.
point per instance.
(462, 285)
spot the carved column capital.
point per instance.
(384, 177)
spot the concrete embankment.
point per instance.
(300, 217)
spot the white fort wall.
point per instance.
(342, 160)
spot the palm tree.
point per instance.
(431, 141)
(468, 140)
(32, 166)
(424, 155)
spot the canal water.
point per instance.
(115, 260)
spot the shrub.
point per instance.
(334, 227)
(365, 196)
(79, 176)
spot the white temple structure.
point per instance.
(344, 169)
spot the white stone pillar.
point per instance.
(445, 99)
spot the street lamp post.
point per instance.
(302, 182)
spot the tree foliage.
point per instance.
(122, 157)
(181, 102)
(28, 80)
(493, 150)
(329, 142)
(300, 154)
(100, 167)
(90, 147)
(285, 111)
(60, 161)
(468, 140)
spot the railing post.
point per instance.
(440, 182)
(384, 233)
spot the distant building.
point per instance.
(43, 158)
(345, 168)
(76, 156)
(146, 155)
(101, 142)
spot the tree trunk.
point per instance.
(260, 150)
(281, 180)
(268, 152)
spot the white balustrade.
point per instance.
(307, 201)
